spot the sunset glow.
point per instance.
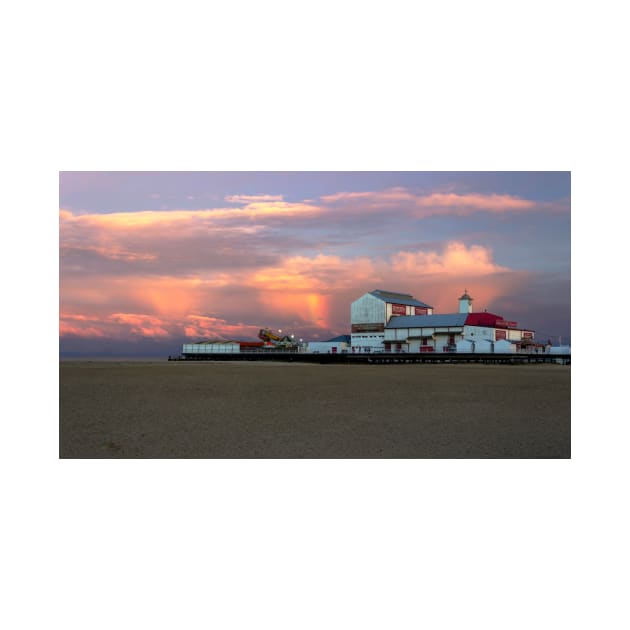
(210, 260)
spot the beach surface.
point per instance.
(224, 410)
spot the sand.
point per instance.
(276, 410)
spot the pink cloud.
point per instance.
(114, 325)
(141, 324)
(202, 326)
(77, 325)
(489, 203)
(422, 205)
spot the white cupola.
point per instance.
(465, 303)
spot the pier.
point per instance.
(380, 358)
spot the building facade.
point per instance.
(337, 345)
(465, 331)
(371, 313)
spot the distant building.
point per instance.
(336, 345)
(371, 313)
(211, 346)
(465, 331)
(385, 321)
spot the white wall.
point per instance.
(210, 348)
(361, 342)
(504, 346)
(367, 310)
(323, 347)
(478, 332)
(484, 345)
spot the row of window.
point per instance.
(424, 341)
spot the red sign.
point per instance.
(399, 309)
(420, 310)
(499, 334)
(528, 334)
(502, 323)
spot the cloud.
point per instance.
(132, 326)
(320, 272)
(141, 324)
(423, 205)
(456, 259)
(115, 325)
(81, 326)
(253, 198)
(183, 221)
(163, 243)
(203, 326)
(227, 271)
(308, 292)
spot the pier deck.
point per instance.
(379, 358)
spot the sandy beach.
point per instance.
(275, 410)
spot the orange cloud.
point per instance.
(166, 297)
(456, 259)
(322, 272)
(309, 307)
(443, 291)
(186, 219)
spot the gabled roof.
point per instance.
(398, 298)
(428, 321)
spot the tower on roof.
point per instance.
(465, 303)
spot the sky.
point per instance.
(151, 260)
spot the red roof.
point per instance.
(483, 319)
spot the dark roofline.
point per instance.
(392, 293)
(393, 298)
